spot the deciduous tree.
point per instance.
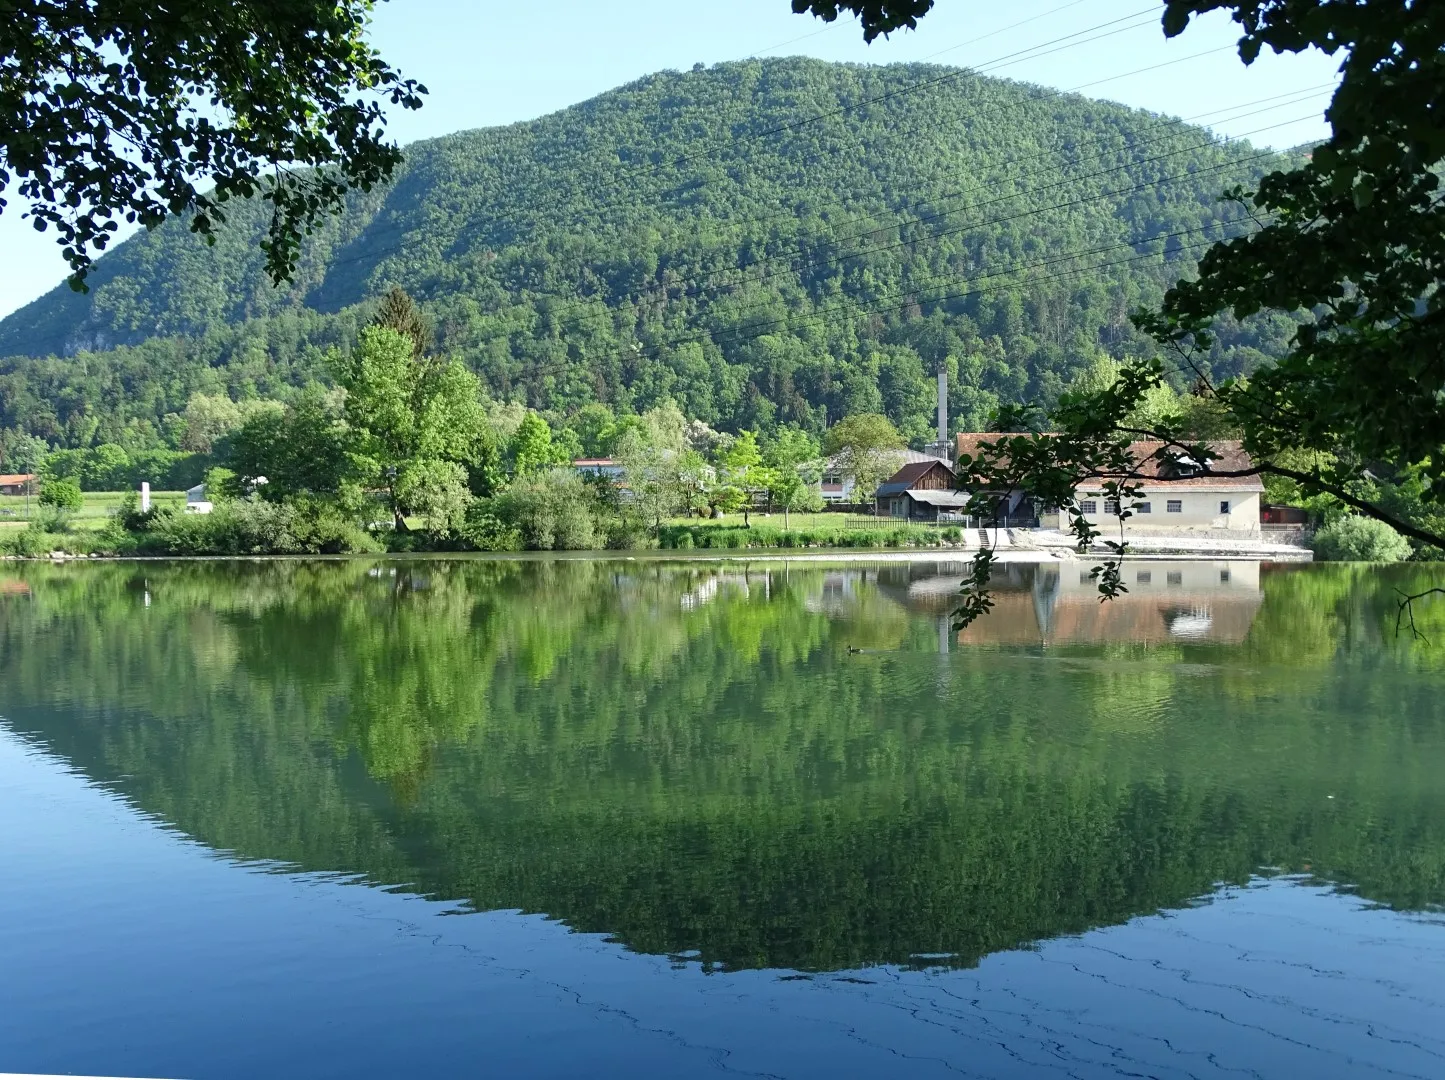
(861, 446)
(405, 415)
(136, 111)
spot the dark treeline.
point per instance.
(593, 256)
(772, 767)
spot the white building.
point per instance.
(196, 501)
(1178, 495)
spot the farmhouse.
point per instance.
(838, 486)
(15, 483)
(1180, 495)
(921, 491)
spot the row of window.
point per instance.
(1145, 577)
(1171, 506)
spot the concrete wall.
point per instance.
(1199, 510)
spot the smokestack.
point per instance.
(943, 408)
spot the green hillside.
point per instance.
(882, 227)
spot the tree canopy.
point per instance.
(137, 111)
(650, 245)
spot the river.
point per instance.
(771, 818)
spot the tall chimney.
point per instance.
(943, 408)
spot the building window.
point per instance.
(1174, 506)
(1175, 577)
(1111, 506)
(1224, 506)
(1088, 506)
(1224, 577)
(1143, 577)
(1143, 508)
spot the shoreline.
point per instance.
(959, 555)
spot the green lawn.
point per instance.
(795, 521)
(99, 505)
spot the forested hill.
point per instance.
(764, 242)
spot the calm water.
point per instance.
(565, 818)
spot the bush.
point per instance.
(27, 543)
(550, 511)
(482, 530)
(1360, 539)
(62, 495)
(728, 537)
(250, 527)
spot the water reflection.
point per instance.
(757, 765)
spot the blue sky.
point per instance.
(489, 63)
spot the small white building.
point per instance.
(196, 502)
(1178, 494)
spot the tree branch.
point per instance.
(1407, 606)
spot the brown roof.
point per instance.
(1229, 456)
(967, 442)
(914, 471)
(11, 479)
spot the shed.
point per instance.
(920, 491)
(16, 483)
(196, 501)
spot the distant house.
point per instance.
(921, 491)
(15, 483)
(1014, 507)
(838, 486)
(1279, 514)
(196, 501)
(599, 467)
(1179, 494)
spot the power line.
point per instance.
(1034, 52)
(950, 77)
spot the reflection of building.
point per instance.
(1166, 601)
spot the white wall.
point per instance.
(1199, 510)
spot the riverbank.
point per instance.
(943, 553)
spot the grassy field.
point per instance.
(99, 505)
(802, 522)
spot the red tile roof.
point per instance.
(1229, 456)
(12, 479)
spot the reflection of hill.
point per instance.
(721, 774)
